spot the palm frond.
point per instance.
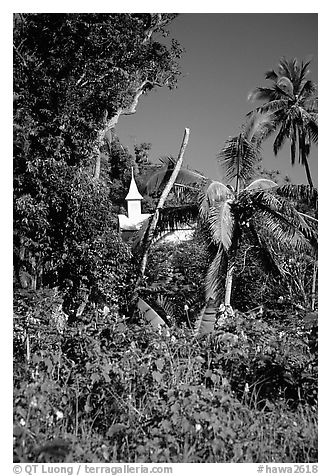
(282, 92)
(286, 85)
(174, 218)
(168, 307)
(308, 89)
(261, 184)
(140, 236)
(186, 193)
(238, 158)
(293, 140)
(207, 318)
(281, 137)
(215, 193)
(161, 176)
(288, 68)
(151, 316)
(283, 221)
(259, 126)
(284, 232)
(214, 277)
(299, 193)
(265, 252)
(254, 124)
(261, 94)
(311, 105)
(303, 73)
(221, 223)
(272, 106)
(272, 75)
(313, 129)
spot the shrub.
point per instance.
(105, 390)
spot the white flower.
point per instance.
(22, 422)
(106, 310)
(186, 308)
(34, 402)
(198, 427)
(59, 415)
(246, 390)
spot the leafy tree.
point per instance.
(66, 230)
(291, 102)
(75, 75)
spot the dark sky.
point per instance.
(226, 56)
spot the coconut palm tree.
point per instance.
(253, 209)
(291, 102)
(238, 210)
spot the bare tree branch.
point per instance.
(20, 56)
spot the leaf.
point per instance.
(239, 158)
(213, 280)
(206, 321)
(56, 447)
(116, 428)
(161, 176)
(221, 223)
(95, 377)
(157, 376)
(261, 184)
(151, 316)
(159, 364)
(299, 193)
(215, 193)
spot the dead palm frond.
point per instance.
(151, 316)
(207, 318)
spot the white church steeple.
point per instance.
(135, 218)
(133, 199)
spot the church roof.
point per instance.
(133, 193)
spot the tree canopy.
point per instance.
(74, 76)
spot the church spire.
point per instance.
(135, 218)
(133, 199)
(133, 193)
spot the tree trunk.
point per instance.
(99, 142)
(162, 200)
(228, 283)
(307, 169)
(110, 124)
(313, 288)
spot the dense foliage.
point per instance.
(73, 74)
(106, 391)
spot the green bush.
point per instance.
(104, 390)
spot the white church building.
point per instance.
(132, 222)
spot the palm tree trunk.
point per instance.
(164, 195)
(313, 288)
(307, 169)
(228, 282)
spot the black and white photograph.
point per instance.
(165, 241)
